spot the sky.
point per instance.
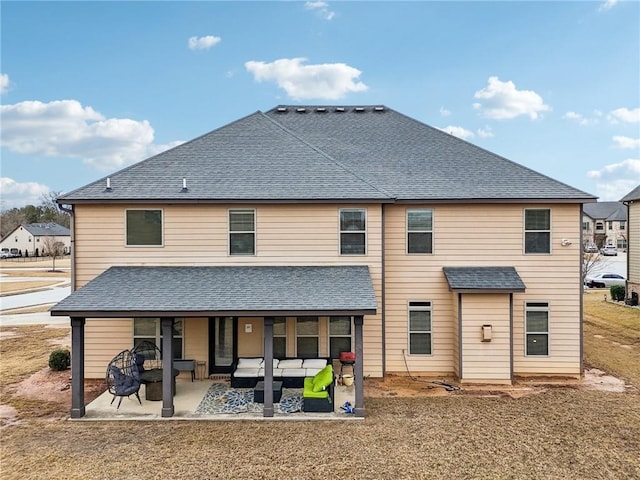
(87, 88)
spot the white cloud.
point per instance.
(607, 5)
(203, 43)
(65, 128)
(615, 180)
(626, 142)
(501, 101)
(624, 115)
(4, 83)
(459, 132)
(322, 8)
(485, 132)
(16, 195)
(444, 112)
(330, 81)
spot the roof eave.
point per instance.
(205, 313)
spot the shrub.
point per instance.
(59, 360)
(617, 292)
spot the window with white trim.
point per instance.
(353, 231)
(307, 342)
(537, 230)
(143, 228)
(242, 232)
(420, 328)
(339, 335)
(420, 230)
(150, 329)
(279, 337)
(537, 328)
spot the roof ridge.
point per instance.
(327, 156)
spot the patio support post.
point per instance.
(77, 367)
(268, 367)
(358, 367)
(167, 367)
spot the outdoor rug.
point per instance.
(223, 399)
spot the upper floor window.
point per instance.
(143, 228)
(599, 226)
(353, 235)
(242, 232)
(537, 328)
(586, 226)
(537, 230)
(419, 328)
(623, 225)
(610, 225)
(420, 231)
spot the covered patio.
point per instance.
(181, 292)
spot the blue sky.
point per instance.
(88, 88)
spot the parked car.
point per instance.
(609, 251)
(591, 248)
(6, 254)
(604, 280)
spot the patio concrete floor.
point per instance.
(188, 396)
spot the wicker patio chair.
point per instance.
(123, 378)
(148, 355)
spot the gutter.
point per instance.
(72, 229)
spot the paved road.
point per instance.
(43, 318)
(51, 295)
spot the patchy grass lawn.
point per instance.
(11, 287)
(563, 433)
(39, 262)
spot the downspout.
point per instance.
(626, 283)
(72, 230)
(383, 294)
(511, 336)
(460, 336)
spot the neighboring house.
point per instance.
(632, 202)
(307, 231)
(605, 223)
(30, 239)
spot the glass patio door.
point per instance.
(222, 344)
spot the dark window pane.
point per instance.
(279, 326)
(537, 322)
(145, 327)
(352, 243)
(419, 243)
(419, 220)
(353, 220)
(144, 227)
(537, 242)
(241, 244)
(339, 344)
(339, 326)
(537, 219)
(420, 344)
(307, 325)
(419, 321)
(279, 347)
(307, 347)
(241, 221)
(537, 344)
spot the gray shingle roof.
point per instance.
(208, 291)
(47, 229)
(310, 154)
(483, 279)
(612, 211)
(632, 195)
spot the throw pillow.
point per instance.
(323, 379)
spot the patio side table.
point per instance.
(258, 391)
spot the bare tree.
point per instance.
(54, 248)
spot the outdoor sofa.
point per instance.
(247, 372)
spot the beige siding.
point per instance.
(104, 339)
(196, 339)
(485, 361)
(633, 226)
(483, 235)
(197, 235)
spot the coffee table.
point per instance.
(258, 391)
(152, 380)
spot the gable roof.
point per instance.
(47, 230)
(213, 291)
(632, 195)
(610, 211)
(326, 154)
(483, 279)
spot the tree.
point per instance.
(54, 248)
(47, 212)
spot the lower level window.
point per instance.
(537, 328)
(307, 337)
(150, 329)
(279, 337)
(339, 335)
(419, 328)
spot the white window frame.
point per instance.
(161, 210)
(537, 306)
(158, 333)
(418, 231)
(364, 232)
(316, 336)
(330, 336)
(253, 231)
(525, 231)
(420, 306)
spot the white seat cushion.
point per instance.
(277, 372)
(312, 371)
(290, 363)
(246, 372)
(250, 362)
(318, 363)
(294, 372)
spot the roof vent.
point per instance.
(378, 109)
(301, 110)
(359, 109)
(108, 189)
(281, 109)
(184, 185)
(340, 109)
(321, 109)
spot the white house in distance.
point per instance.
(31, 237)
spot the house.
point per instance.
(305, 231)
(605, 223)
(32, 239)
(632, 202)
